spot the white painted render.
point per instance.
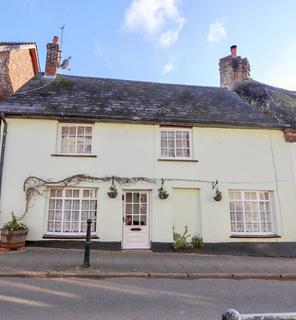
(248, 159)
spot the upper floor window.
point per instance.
(176, 143)
(76, 138)
(251, 212)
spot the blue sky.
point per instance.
(161, 40)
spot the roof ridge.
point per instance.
(3, 43)
(143, 81)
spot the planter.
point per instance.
(13, 239)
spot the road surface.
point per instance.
(122, 298)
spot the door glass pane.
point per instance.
(136, 220)
(128, 209)
(136, 197)
(136, 209)
(143, 209)
(143, 220)
(144, 197)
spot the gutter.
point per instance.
(3, 143)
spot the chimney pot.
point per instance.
(233, 51)
(55, 40)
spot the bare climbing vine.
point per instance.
(34, 186)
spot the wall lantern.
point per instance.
(112, 193)
(218, 194)
(163, 194)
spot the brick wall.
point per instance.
(16, 68)
(21, 68)
(5, 83)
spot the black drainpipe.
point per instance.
(2, 149)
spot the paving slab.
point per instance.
(52, 261)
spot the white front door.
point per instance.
(136, 220)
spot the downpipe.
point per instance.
(3, 144)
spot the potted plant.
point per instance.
(13, 234)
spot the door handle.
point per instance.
(123, 219)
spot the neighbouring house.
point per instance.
(18, 64)
(144, 158)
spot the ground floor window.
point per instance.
(69, 208)
(250, 212)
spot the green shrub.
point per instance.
(197, 241)
(180, 240)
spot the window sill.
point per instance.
(67, 237)
(74, 155)
(177, 160)
(254, 236)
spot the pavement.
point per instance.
(55, 263)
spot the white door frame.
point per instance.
(147, 243)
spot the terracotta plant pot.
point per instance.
(13, 239)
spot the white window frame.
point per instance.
(257, 200)
(175, 129)
(80, 198)
(74, 124)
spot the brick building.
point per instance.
(18, 64)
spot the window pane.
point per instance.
(72, 131)
(171, 134)
(76, 139)
(80, 131)
(129, 197)
(65, 130)
(68, 193)
(88, 131)
(64, 214)
(251, 215)
(164, 134)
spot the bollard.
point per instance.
(87, 245)
(231, 314)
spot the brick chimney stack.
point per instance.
(53, 58)
(233, 68)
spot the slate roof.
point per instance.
(14, 43)
(123, 100)
(277, 103)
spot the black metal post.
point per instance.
(87, 245)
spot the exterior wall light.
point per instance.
(112, 193)
(218, 194)
(163, 194)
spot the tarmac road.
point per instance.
(131, 298)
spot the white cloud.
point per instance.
(217, 32)
(159, 20)
(283, 70)
(168, 67)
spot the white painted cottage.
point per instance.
(71, 141)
